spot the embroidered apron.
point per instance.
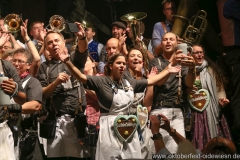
(108, 146)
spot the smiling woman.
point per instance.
(209, 122)
(115, 95)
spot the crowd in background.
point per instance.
(70, 98)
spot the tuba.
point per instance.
(196, 28)
(56, 23)
(12, 22)
(137, 28)
(190, 30)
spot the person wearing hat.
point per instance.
(118, 32)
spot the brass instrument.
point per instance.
(196, 28)
(56, 23)
(190, 30)
(136, 26)
(181, 17)
(12, 22)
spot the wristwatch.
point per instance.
(157, 136)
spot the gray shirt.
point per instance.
(102, 85)
(65, 101)
(169, 90)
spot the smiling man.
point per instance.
(64, 98)
(166, 92)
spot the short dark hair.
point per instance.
(32, 24)
(50, 32)
(166, 1)
(25, 52)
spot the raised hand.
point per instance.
(138, 68)
(223, 101)
(4, 38)
(63, 55)
(153, 72)
(81, 33)
(62, 78)
(24, 30)
(173, 69)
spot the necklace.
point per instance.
(114, 88)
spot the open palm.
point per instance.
(173, 69)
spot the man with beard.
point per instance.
(167, 98)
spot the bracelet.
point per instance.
(66, 59)
(15, 93)
(28, 40)
(174, 133)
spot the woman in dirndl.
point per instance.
(209, 121)
(116, 95)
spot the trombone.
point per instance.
(56, 23)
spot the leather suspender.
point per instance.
(164, 27)
(1, 69)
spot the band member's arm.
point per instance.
(82, 40)
(32, 49)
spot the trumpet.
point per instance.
(12, 22)
(56, 23)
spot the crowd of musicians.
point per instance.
(131, 98)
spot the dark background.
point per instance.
(43, 9)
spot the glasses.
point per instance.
(17, 60)
(198, 52)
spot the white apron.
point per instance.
(108, 146)
(6, 142)
(147, 144)
(65, 143)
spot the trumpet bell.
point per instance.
(57, 23)
(13, 22)
(133, 16)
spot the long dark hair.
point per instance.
(111, 60)
(221, 80)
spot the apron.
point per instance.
(108, 146)
(147, 144)
(65, 143)
(6, 142)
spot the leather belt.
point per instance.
(164, 104)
